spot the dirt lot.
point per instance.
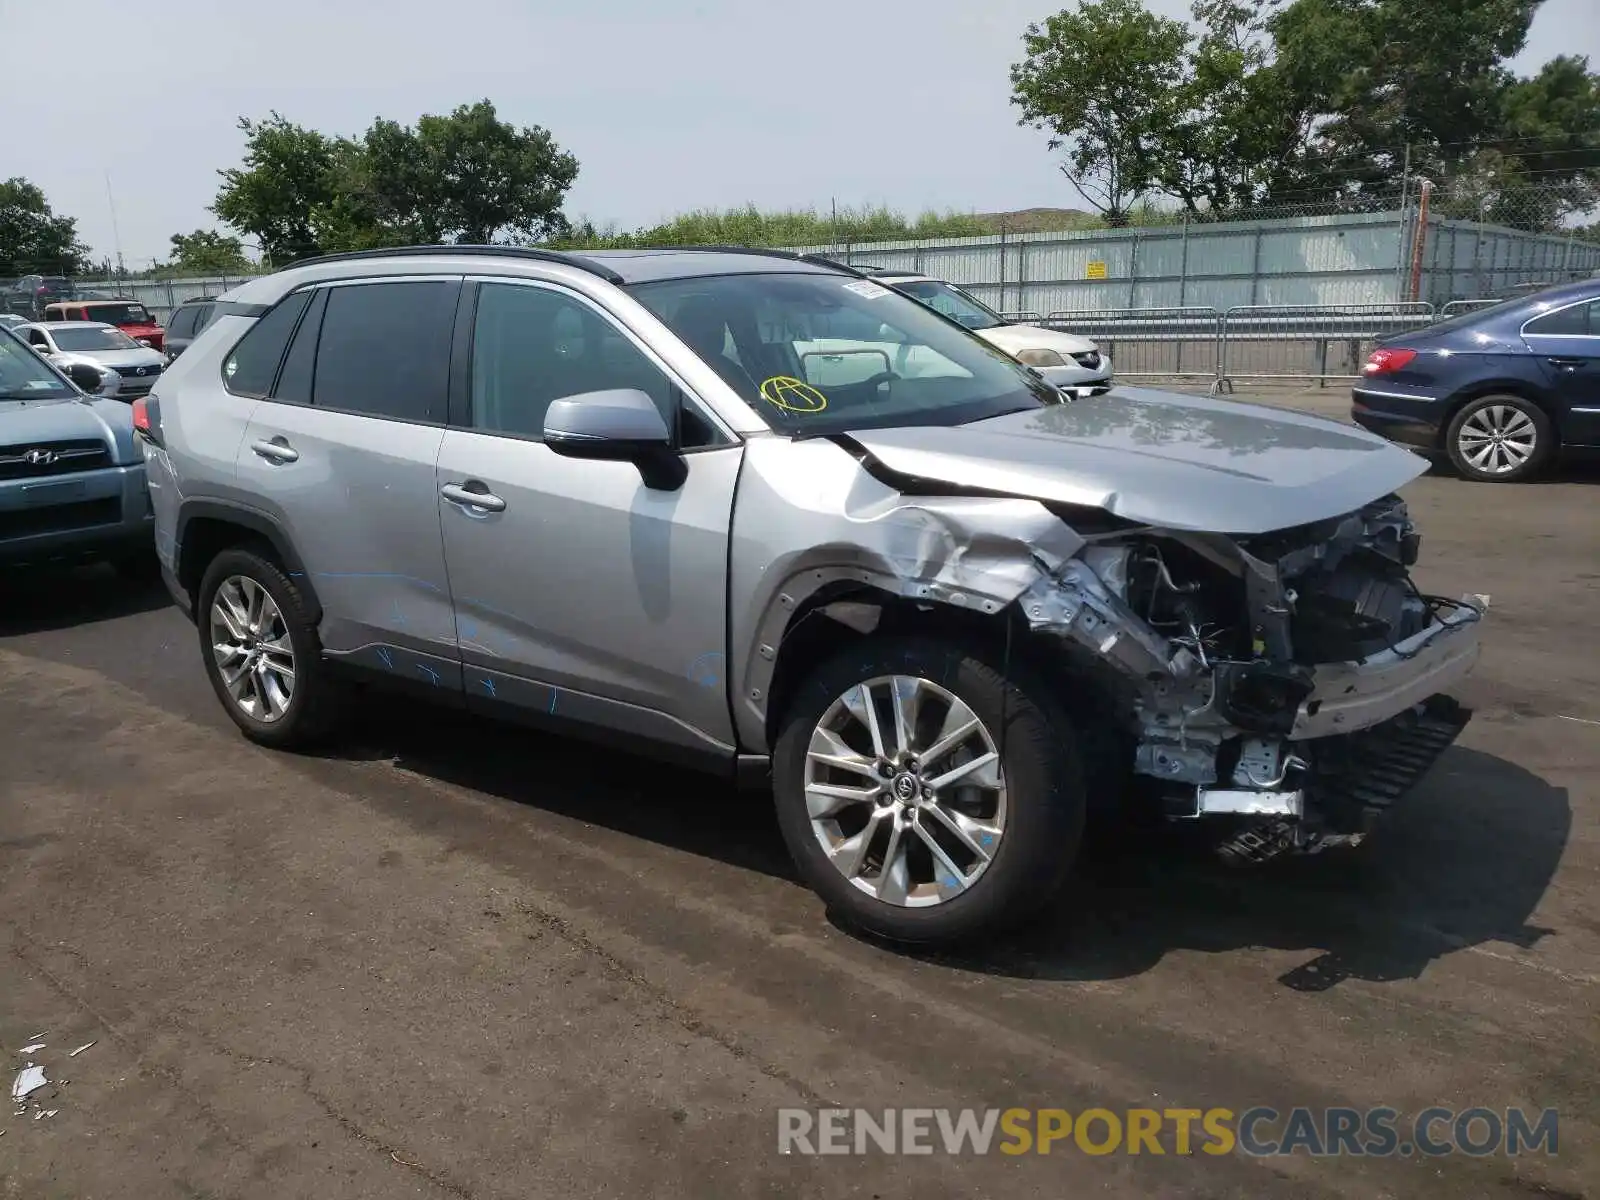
(451, 961)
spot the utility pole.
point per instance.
(1400, 233)
(116, 234)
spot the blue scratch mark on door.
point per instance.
(706, 669)
(467, 629)
(488, 685)
(385, 657)
(553, 695)
(398, 616)
(432, 675)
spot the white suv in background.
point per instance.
(1066, 360)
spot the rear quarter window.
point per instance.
(252, 367)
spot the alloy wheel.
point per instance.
(1498, 439)
(250, 644)
(904, 791)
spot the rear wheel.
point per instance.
(1500, 439)
(261, 651)
(924, 794)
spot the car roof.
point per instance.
(69, 325)
(80, 302)
(646, 264)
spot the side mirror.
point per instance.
(620, 425)
(145, 342)
(86, 377)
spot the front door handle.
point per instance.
(468, 496)
(1567, 364)
(277, 450)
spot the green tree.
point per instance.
(465, 177)
(286, 176)
(207, 252)
(33, 240)
(1102, 81)
(468, 177)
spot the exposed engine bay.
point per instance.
(1287, 683)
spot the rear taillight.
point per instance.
(147, 419)
(1382, 361)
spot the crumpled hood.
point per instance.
(1160, 458)
(1014, 338)
(26, 422)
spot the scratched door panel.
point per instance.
(590, 595)
(360, 506)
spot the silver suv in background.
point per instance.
(764, 515)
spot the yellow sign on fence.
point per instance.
(1097, 270)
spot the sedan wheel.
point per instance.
(1500, 439)
(251, 647)
(911, 814)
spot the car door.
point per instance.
(581, 593)
(1567, 344)
(341, 453)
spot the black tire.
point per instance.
(1045, 791)
(314, 702)
(1519, 414)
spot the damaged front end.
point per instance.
(1286, 686)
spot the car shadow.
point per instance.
(40, 599)
(1465, 859)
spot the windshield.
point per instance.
(119, 314)
(815, 353)
(91, 337)
(24, 375)
(952, 302)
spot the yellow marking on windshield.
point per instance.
(793, 395)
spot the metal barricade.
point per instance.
(1306, 342)
(1022, 317)
(1157, 343)
(1456, 307)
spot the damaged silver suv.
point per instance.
(758, 513)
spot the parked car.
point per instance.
(1065, 359)
(130, 316)
(106, 347)
(12, 320)
(1500, 391)
(185, 324)
(72, 478)
(946, 615)
(28, 296)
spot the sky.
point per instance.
(668, 106)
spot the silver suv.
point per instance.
(700, 503)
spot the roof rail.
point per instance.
(529, 252)
(766, 251)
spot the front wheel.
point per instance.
(926, 795)
(1500, 439)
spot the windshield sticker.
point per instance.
(793, 395)
(41, 385)
(866, 289)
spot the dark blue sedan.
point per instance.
(1500, 391)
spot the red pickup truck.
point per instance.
(131, 317)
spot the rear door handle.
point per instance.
(277, 450)
(467, 495)
(1569, 364)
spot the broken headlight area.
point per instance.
(1288, 686)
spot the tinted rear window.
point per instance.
(385, 349)
(253, 365)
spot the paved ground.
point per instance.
(478, 963)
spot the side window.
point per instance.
(181, 323)
(533, 345)
(36, 337)
(207, 311)
(294, 381)
(1574, 321)
(253, 365)
(385, 349)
